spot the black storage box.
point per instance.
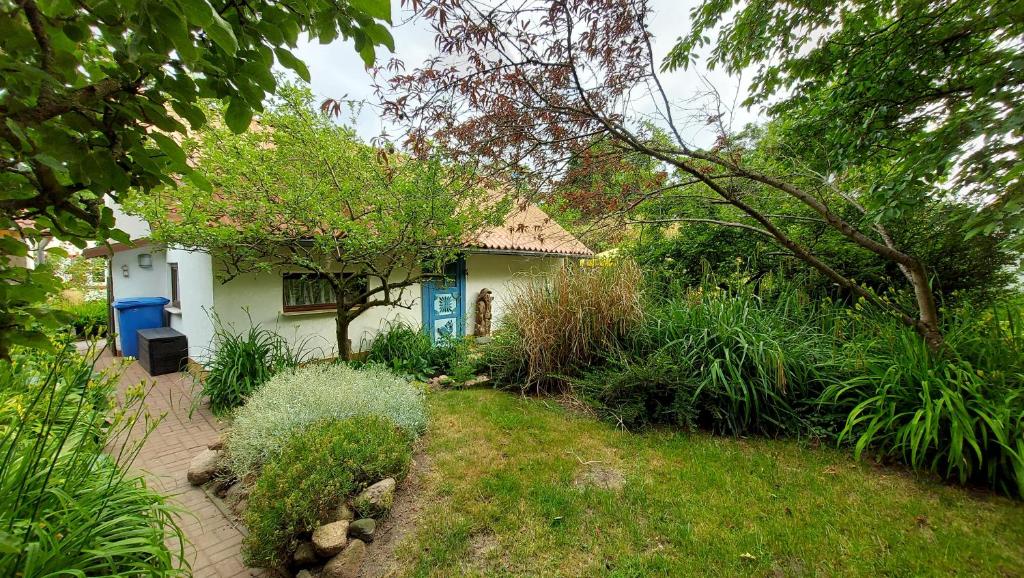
(162, 350)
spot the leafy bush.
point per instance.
(317, 467)
(409, 352)
(241, 363)
(554, 327)
(87, 318)
(959, 413)
(292, 400)
(67, 506)
(732, 363)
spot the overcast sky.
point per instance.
(337, 70)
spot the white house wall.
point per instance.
(195, 293)
(259, 297)
(140, 282)
(262, 295)
(500, 273)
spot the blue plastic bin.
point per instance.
(135, 313)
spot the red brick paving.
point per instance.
(215, 543)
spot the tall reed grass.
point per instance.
(68, 503)
(557, 324)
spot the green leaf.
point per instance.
(199, 180)
(286, 58)
(381, 35)
(222, 34)
(238, 115)
(198, 12)
(368, 54)
(170, 148)
(379, 9)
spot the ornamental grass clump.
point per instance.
(294, 399)
(242, 362)
(557, 325)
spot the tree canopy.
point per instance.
(925, 92)
(531, 86)
(93, 91)
(300, 193)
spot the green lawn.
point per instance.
(499, 498)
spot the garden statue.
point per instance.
(482, 328)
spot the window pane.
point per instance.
(309, 290)
(300, 290)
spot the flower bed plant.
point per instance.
(318, 466)
(68, 503)
(295, 399)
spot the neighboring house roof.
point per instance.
(528, 229)
(107, 250)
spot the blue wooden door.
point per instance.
(444, 304)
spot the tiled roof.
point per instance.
(529, 229)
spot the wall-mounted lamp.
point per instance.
(124, 270)
(146, 261)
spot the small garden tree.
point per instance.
(301, 193)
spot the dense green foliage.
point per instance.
(291, 400)
(93, 90)
(918, 96)
(242, 362)
(409, 352)
(68, 503)
(779, 362)
(86, 318)
(319, 465)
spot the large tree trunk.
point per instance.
(928, 314)
(342, 321)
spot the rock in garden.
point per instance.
(305, 555)
(304, 574)
(204, 466)
(342, 512)
(240, 506)
(363, 529)
(330, 539)
(218, 444)
(377, 499)
(348, 563)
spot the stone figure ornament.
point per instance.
(482, 328)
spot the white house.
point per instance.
(528, 243)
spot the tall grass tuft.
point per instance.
(68, 503)
(958, 413)
(555, 325)
(734, 363)
(409, 352)
(242, 362)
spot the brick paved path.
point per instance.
(215, 541)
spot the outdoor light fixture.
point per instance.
(124, 270)
(146, 261)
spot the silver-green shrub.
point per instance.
(295, 399)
